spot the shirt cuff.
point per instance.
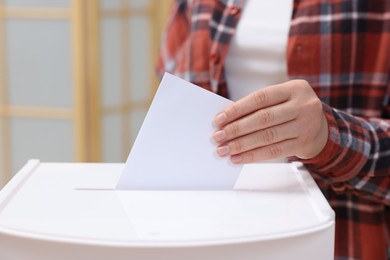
(335, 162)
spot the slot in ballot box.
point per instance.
(71, 211)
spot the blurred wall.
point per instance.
(76, 78)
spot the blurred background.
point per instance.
(76, 78)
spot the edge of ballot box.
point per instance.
(267, 249)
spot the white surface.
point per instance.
(46, 211)
(37, 3)
(257, 54)
(140, 59)
(72, 200)
(110, 4)
(139, 4)
(2, 152)
(112, 138)
(174, 150)
(51, 140)
(111, 62)
(39, 62)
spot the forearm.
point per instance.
(356, 157)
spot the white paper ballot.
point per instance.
(174, 149)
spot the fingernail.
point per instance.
(223, 150)
(219, 135)
(236, 158)
(220, 119)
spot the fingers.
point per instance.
(263, 98)
(270, 152)
(261, 119)
(260, 138)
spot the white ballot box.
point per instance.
(71, 211)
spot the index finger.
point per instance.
(259, 99)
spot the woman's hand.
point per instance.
(278, 121)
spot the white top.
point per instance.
(257, 57)
(73, 203)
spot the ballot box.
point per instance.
(72, 211)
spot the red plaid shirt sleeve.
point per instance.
(356, 156)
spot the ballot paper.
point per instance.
(174, 149)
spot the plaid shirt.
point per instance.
(342, 48)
